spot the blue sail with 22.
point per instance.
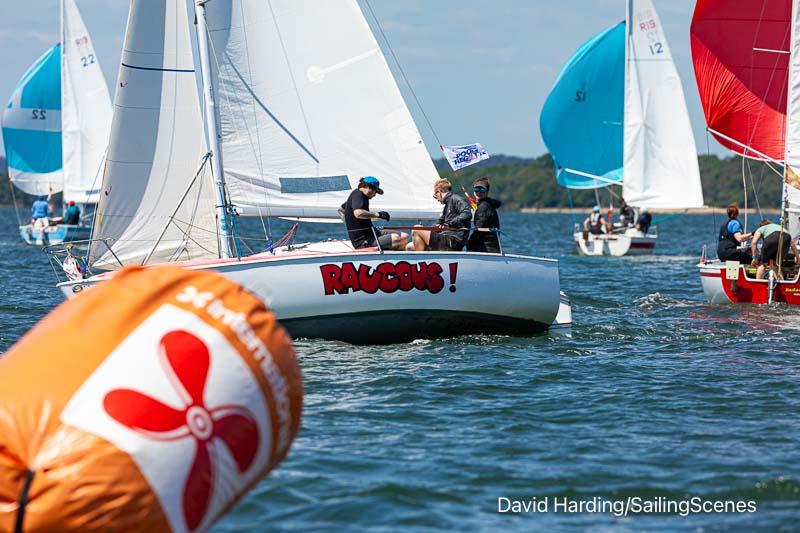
(32, 127)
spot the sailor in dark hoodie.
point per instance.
(484, 220)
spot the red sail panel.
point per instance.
(741, 62)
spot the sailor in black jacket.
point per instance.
(455, 214)
(486, 219)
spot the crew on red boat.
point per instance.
(775, 237)
(731, 235)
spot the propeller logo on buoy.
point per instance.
(186, 361)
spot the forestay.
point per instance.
(32, 127)
(307, 105)
(156, 147)
(660, 157)
(581, 121)
(86, 113)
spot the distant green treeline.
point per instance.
(531, 183)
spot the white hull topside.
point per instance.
(365, 296)
(711, 278)
(615, 245)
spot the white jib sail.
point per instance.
(659, 157)
(150, 203)
(307, 105)
(85, 110)
(792, 148)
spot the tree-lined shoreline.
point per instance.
(530, 185)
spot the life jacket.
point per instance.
(594, 223)
(726, 236)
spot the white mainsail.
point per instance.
(307, 105)
(660, 157)
(86, 109)
(792, 147)
(152, 207)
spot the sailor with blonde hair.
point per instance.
(453, 223)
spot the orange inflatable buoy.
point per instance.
(153, 401)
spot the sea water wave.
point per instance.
(653, 393)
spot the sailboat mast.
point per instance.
(61, 62)
(628, 37)
(211, 129)
(784, 221)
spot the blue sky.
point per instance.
(481, 68)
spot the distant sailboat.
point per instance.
(56, 126)
(617, 116)
(298, 103)
(747, 64)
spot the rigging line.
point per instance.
(268, 227)
(402, 72)
(571, 207)
(175, 211)
(255, 149)
(188, 237)
(773, 169)
(294, 82)
(200, 229)
(14, 199)
(744, 182)
(753, 186)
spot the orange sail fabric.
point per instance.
(151, 402)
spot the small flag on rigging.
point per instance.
(464, 156)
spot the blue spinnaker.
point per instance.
(32, 127)
(582, 118)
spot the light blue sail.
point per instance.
(32, 127)
(581, 121)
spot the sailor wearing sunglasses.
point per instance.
(486, 219)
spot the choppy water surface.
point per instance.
(654, 394)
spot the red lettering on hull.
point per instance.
(386, 277)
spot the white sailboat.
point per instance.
(298, 103)
(56, 126)
(622, 120)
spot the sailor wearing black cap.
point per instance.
(358, 218)
(486, 219)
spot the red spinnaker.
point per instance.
(741, 62)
